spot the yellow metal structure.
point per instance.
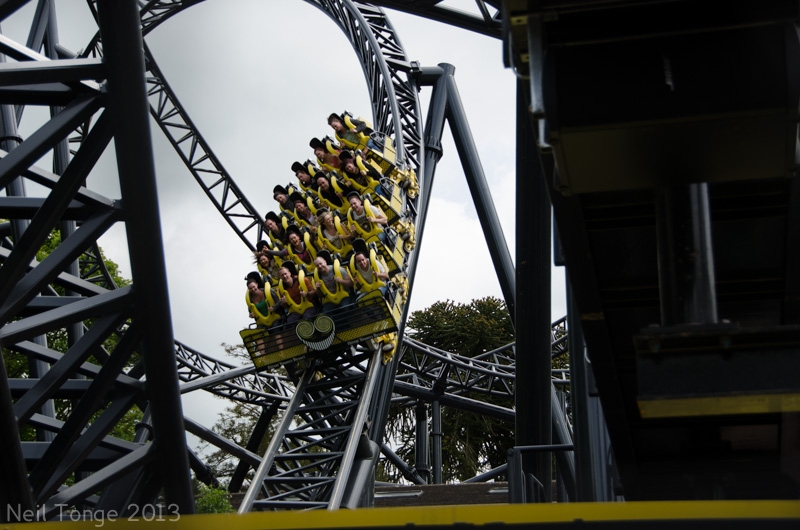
(629, 515)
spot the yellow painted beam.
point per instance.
(682, 513)
(719, 405)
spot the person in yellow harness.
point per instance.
(366, 180)
(267, 265)
(263, 304)
(276, 232)
(327, 153)
(369, 274)
(303, 213)
(304, 177)
(367, 223)
(332, 281)
(281, 196)
(332, 234)
(297, 293)
(329, 196)
(353, 135)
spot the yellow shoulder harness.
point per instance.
(264, 320)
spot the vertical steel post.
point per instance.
(120, 28)
(434, 126)
(561, 435)
(685, 256)
(15, 491)
(9, 140)
(421, 448)
(431, 153)
(60, 162)
(258, 434)
(436, 428)
(579, 393)
(532, 391)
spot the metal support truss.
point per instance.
(472, 384)
(31, 303)
(309, 460)
(206, 168)
(121, 354)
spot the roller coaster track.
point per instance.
(329, 410)
(395, 110)
(490, 374)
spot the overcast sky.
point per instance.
(259, 78)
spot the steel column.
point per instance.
(579, 394)
(436, 428)
(120, 28)
(359, 425)
(257, 482)
(16, 188)
(532, 316)
(434, 127)
(421, 447)
(259, 433)
(14, 489)
(60, 163)
(685, 257)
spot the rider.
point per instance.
(303, 172)
(327, 153)
(298, 297)
(332, 281)
(355, 137)
(281, 195)
(263, 304)
(276, 231)
(365, 180)
(329, 195)
(366, 223)
(267, 265)
(303, 213)
(369, 274)
(332, 234)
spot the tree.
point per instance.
(212, 500)
(470, 443)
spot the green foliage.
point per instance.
(470, 443)
(54, 240)
(465, 329)
(212, 500)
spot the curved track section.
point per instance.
(121, 328)
(491, 374)
(117, 356)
